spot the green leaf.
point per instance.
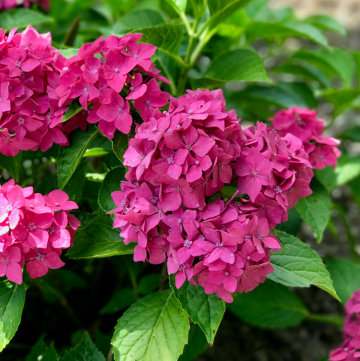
(199, 7)
(20, 18)
(74, 108)
(166, 37)
(315, 209)
(178, 5)
(153, 328)
(205, 310)
(324, 22)
(220, 10)
(75, 184)
(293, 224)
(290, 28)
(111, 183)
(98, 240)
(120, 144)
(345, 276)
(68, 53)
(96, 152)
(149, 283)
(334, 61)
(142, 18)
(50, 354)
(357, 62)
(37, 350)
(347, 169)
(69, 280)
(270, 305)
(196, 345)
(70, 157)
(120, 300)
(11, 164)
(12, 299)
(85, 350)
(299, 266)
(352, 134)
(86, 218)
(341, 99)
(236, 65)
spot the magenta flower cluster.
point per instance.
(33, 229)
(170, 204)
(29, 73)
(303, 123)
(10, 4)
(102, 70)
(350, 349)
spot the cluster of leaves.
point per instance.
(248, 50)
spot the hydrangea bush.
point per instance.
(129, 143)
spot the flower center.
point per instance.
(32, 226)
(170, 160)
(226, 273)
(21, 121)
(187, 243)
(116, 70)
(136, 56)
(277, 190)
(51, 230)
(18, 63)
(260, 236)
(147, 102)
(154, 199)
(57, 204)
(219, 245)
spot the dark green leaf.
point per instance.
(11, 164)
(120, 144)
(20, 18)
(345, 275)
(111, 183)
(102, 342)
(120, 300)
(74, 108)
(316, 208)
(149, 283)
(293, 225)
(50, 354)
(70, 157)
(12, 299)
(352, 134)
(196, 345)
(75, 184)
(205, 310)
(85, 350)
(153, 328)
(85, 218)
(37, 350)
(99, 239)
(236, 65)
(299, 266)
(270, 305)
(137, 19)
(290, 28)
(324, 22)
(69, 280)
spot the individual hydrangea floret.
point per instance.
(33, 229)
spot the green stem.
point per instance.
(333, 320)
(186, 23)
(133, 279)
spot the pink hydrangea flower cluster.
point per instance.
(29, 73)
(33, 229)
(10, 4)
(102, 70)
(350, 350)
(181, 158)
(303, 123)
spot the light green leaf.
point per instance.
(154, 328)
(352, 134)
(70, 157)
(315, 209)
(290, 28)
(68, 53)
(299, 266)
(20, 18)
(142, 18)
(199, 7)
(85, 350)
(345, 275)
(236, 65)
(120, 144)
(324, 22)
(178, 5)
(12, 299)
(357, 62)
(347, 169)
(334, 61)
(111, 183)
(96, 152)
(98, 240)
(166, 38)
(196, 345)
(270, 305)
(120, 300)
(50, 354)
(205, 310)
(74, 108)
(341, 99)
(220, 10)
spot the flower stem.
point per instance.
(333, 320)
